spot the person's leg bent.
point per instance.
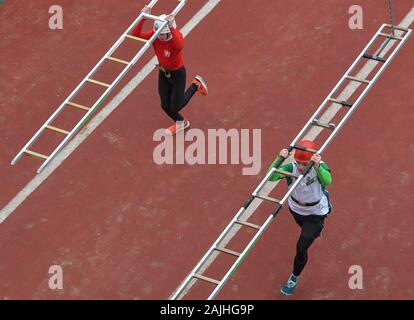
(179, 98)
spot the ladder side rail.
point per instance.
(292, 188)
(363, 94)
(242, 256)
(345, 94)
(197, 268)
(179, 7)
(262, 183)
(321, 107)
(76, 90)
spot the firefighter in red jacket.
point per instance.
(172, 73)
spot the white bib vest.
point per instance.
(309, 190)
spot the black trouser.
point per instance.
(171, 90)
(311, 228)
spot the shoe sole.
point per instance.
(185, 127)
(179, 130)
(203, 83)
(285, 293)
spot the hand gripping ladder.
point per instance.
(240, 219)
(89, 79)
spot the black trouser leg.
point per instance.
(164, 90)
(311, 228)
(301, 257)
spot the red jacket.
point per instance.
(168, 52)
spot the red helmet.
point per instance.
(304, 156)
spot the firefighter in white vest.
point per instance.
(309, 203)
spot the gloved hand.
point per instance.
(284, 153)
(170, 18)
(317, 159)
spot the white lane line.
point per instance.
(97, 120)
(312, 134)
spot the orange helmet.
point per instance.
(304, 156)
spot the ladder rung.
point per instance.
(225, 250)
(248, 224)
(358, 80)
(387, 35)
(376, 58)
(304, 149)
(79, 106)
(267, 198)
(99, 83)
(286, 173)
(326, 125)
(118, 60)
(136, 38)
(36, 155)
(397, 28)
(152, 17)
(201, 277)
(57, 130)
(344, 103)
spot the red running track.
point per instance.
(124, 228)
